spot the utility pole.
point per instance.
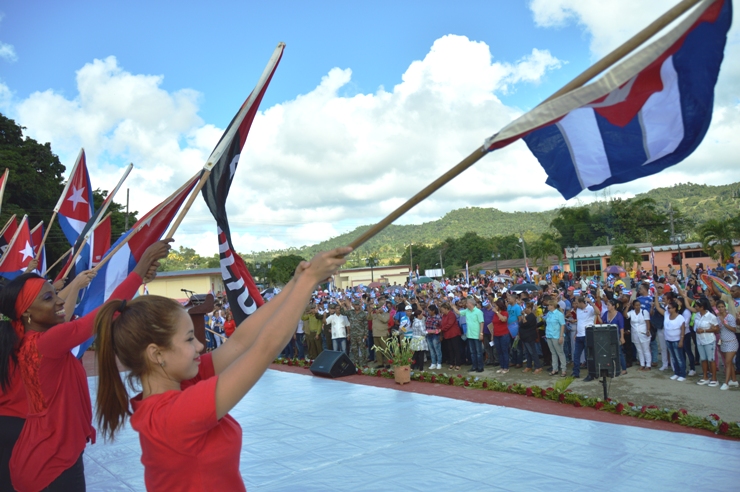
(411, 259)
(524, 250)
(670, 211)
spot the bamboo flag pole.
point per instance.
(7, 224)
(61, 198)
(228, 136)
(2, 186)
(60, 259)
(82, 245)
(625, 49)
(154, 212)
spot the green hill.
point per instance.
(698, 202)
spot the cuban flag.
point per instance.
(101, 240)
(75, 206)
(147, 230)
(37, 235)
(647, 113)
(19, 253)
(243, 295)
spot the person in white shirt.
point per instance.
(706, 325)
(674, 328)
(586, 313)
(640, 330)
(339, 325)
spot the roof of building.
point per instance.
(605, 250)
(190, 273)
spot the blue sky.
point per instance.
(156, 82)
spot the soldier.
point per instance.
(357, 331)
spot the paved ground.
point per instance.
(642, 388)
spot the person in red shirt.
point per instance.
(188, 440)
(229, 324)
(13, 403)
(451, 336)
(58, 424)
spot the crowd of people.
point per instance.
(667, 320)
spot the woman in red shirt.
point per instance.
(229, 324)
(58, 424)
(188, 440)
(501, 334)
(13, 403)
(451, 336)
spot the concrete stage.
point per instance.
(304, 433)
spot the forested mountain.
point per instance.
(693, 205)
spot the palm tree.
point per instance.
(716, 239)
(543, 248)
(625, 255)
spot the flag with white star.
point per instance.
(19, 252)
(75, 206)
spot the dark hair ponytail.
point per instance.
(8, 338)
(125, 329)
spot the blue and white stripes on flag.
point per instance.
(647, 113)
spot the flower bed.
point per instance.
(559, 393)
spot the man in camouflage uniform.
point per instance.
(357, 331)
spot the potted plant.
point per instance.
(399, 354)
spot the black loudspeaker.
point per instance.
(602, 351)
(333, 364)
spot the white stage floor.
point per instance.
(303, 433)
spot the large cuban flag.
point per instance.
(645, 114)
(147, 230)
(75, 206)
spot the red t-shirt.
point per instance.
(13, 402)
(229, 327)
(53, 438)
(500, 328)
(183, 445)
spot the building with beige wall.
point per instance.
(351, 277)
(170, 284)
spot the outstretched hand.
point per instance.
(149, 262)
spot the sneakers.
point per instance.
(499, 371)
(588, 378)
(680, 379)
(702, 382)
(713, 383)
(724, 387)
(692, 373)
(674, 377)
(663, 368)
(733, 384)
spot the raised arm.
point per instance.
(239, 377)
(71, 291)
(657, 307)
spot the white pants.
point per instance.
(643, 352)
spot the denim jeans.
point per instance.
(517, 354)
(530, 348)
(580, 349)
(339, 344)
(622, 360)
(435, 348)
(688, 351)
(503, 345)
(679, 363)
(299, 341)
(476, 354)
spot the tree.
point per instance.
(624, 255)
(543, 248)
(575, 226)
(34, 184)
(716, 239)
(283, 268)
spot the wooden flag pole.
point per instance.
(46, 232)
(189, 203)
(625, 49)
(82, 245)
(138, 229)
(60, 259)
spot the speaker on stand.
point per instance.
(602, 353)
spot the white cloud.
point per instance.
(7, 52)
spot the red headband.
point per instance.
(25, 298)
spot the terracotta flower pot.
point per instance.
(402, 374)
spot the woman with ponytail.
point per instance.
(48, 452)
(188, 440)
